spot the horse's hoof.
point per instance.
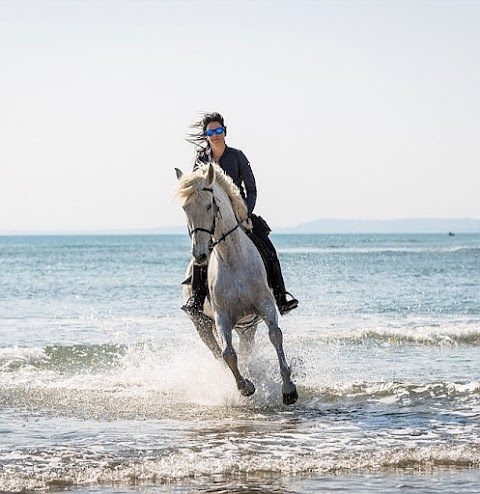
(290, 398)
(247, 389)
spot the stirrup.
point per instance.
(285, 306)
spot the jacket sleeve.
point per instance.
(249, 181)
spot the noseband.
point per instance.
(212, 243)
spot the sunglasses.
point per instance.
(218, 130)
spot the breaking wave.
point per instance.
(86, 467)
(121, 381)
(419, 337)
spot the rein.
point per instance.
(223, 237)
(213, 243)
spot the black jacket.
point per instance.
(235, 164)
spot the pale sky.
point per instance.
(345, 109)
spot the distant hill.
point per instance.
(407, 225)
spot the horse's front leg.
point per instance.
(204, 326)
(229, 354)
(289, 389)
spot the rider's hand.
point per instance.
(247, 225)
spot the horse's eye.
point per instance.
(209, 207)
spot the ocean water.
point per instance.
(105, 386)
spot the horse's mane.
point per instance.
(190, 185)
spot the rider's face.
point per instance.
(215, 139)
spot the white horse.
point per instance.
(237, 280)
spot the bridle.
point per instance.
(212, 243)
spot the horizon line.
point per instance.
(296, 229)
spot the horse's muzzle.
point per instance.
(200, 260)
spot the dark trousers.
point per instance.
(259, 236)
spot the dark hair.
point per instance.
(198, 138)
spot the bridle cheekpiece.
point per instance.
(212, 243)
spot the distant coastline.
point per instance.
(406, 225)
(325, 226)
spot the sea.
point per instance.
(105, 387)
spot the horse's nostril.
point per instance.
(200, 258)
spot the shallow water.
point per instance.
(104, 386)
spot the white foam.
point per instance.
(228, 460)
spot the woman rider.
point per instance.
(210, 147)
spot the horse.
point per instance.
(239, 295)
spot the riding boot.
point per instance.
(279, 290)
(194, 305)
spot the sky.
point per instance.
(345, 109)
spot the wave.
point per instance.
(144, 383)
(126, 381)
(14, 358)
(98, 357)
(392, 392)
(112, 399)
(381, 250)
(227, 463)
(81, 356)
(61, 357)
(367, 330)
(430, 337)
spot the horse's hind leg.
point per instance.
(247, 340)
(245, 386)
(289, 389)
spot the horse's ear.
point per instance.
(179, 173)
(210, 174)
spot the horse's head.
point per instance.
(198, 201)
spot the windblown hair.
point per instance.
(190, 186)
(198, 138)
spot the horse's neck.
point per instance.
(231, 244)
